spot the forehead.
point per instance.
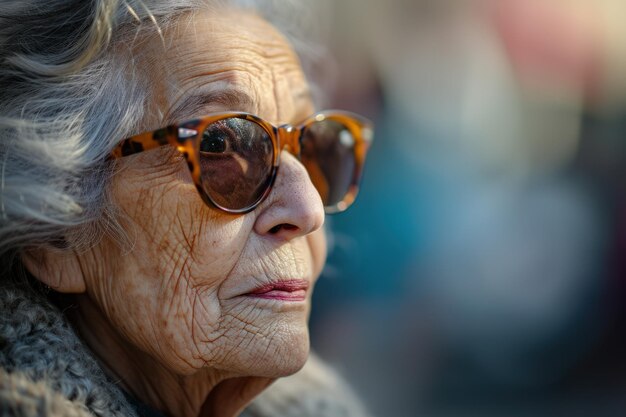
(231, 60)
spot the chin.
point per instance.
(296, 355)
(283, 354)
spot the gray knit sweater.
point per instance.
(46, 371)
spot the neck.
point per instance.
(205, 393)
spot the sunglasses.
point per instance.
(234, 157)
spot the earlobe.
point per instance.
(58, 269)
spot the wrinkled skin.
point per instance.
(169, 317)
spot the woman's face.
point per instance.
(184, 292)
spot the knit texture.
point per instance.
(37, 343)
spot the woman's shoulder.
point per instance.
(45, 370)
(20, 396)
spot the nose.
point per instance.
(294, 207)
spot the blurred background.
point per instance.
(482, 271)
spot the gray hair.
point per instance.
(68, 96)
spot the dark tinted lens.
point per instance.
(236, 158)
(328, 155)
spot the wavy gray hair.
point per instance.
(68, 95)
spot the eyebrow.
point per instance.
(196, 103)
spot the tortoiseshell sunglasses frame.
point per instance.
(186, 137)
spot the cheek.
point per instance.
(163, 295)
(174, 233)
(195, 257)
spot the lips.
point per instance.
(292, 290)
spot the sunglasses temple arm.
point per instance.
(146, 141)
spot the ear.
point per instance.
(59, 269)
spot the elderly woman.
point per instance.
(164, 181)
